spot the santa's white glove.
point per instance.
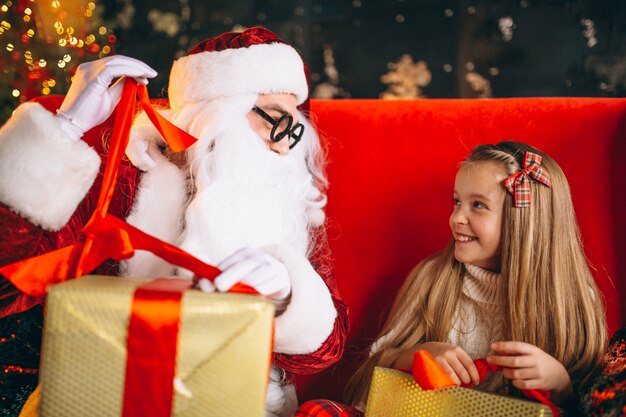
(91, 97)
(260, 271)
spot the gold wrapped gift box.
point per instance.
(223, 354)
(395, 393)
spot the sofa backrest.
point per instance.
(391, 166)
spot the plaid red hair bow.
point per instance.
(518, 184)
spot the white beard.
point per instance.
(246, 195)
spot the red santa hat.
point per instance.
(255, 61)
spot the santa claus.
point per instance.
(247, 197)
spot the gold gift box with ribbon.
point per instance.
(395, 393)
(223, 351)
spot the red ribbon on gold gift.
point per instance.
(153, 329)
(151, 348)
(430, 375)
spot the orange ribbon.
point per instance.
(430, 375)
(155, 316)
(106, 235)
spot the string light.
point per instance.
(45, 41)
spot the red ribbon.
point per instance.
(518, 184)
(106, 235)
(153, 329)
(430, 375)
(151, 348)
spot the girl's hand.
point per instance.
(531, 368)
(452, 359)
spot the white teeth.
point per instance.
(462, 238)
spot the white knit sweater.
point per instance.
(477, 321)
(478, 318)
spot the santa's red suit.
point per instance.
(49, 185)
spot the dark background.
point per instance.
(511, 48)
(355, 48)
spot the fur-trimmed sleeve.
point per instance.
(44, 174)
(46, 193)
(328, 349)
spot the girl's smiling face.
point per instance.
(476, 220)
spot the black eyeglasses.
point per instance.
(281, 127)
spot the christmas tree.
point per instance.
(42, 43)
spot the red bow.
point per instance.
(518, 184)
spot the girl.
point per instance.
(513, 286)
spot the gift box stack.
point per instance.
(222, 357)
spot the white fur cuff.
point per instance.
(310, 316)
(44, 174)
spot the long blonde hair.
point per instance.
(549, 297)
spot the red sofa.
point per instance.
(391, 170)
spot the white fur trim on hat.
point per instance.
(310, 316)
(44, 174)
(257, 69)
